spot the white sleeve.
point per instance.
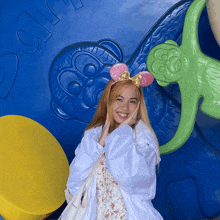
(86, 155)
(132, 166)
(146, 142)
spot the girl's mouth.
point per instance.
(122, 115)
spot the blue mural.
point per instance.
(54, 64)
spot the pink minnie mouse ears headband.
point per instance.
(119, 72)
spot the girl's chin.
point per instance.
(119, 121)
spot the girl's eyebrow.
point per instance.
(123, 97)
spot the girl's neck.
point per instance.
(116, 125)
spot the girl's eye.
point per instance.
(120, 100)
(133, 102)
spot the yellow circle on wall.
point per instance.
(33, 169)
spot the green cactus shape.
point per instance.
(197, 75)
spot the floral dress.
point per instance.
(110, 203)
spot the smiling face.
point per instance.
(124, 105)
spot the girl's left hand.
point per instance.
(105, 131)
(132, 119)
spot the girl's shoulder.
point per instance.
(95, 132)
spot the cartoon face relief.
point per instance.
(167, 62)
(125, 104)
(78, 76)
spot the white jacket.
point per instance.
(131, 162)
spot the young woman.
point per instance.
(124, 183)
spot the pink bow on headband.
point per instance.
(120, 72)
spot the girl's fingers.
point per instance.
(138, 106)
(136, 110)
(134, 116)
(107, 125)
(107, 118)
(106, 121)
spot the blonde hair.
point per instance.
(109, 95)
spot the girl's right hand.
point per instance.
(105, 131)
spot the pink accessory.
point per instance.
(120, 72)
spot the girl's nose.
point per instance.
(125, 105)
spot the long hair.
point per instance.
(109, 95)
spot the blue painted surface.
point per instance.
(54, 63)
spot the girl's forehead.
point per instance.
(128, 91)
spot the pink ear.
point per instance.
(147, 78)
(117, 69)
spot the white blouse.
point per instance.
(132, 164)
